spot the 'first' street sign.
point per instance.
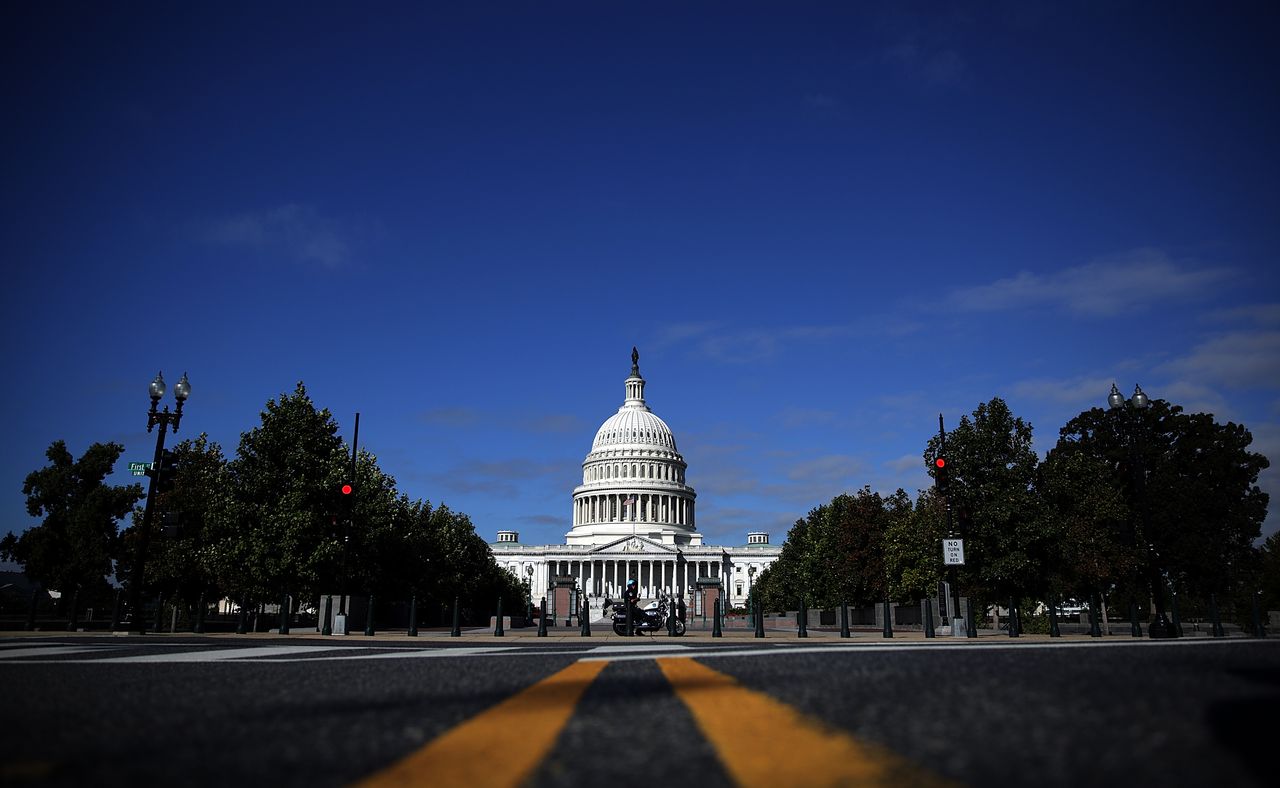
(140, 468)
(953, 552)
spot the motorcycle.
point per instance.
(652, 619)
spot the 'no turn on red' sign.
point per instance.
(953, 552)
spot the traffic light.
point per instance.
(941, 475)
(346, 495)
(167, 473)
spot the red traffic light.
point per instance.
(941, 462)
(346, 489)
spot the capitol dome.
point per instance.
(633, 478)
(634, 426)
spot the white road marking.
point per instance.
(218, 655)
(401, 654)
(20, 653)
(639, 647)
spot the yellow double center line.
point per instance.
(760, 741)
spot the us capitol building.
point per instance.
(634, 517)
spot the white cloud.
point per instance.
(822, 102)
(295, 230)
(745, 346)
(1242, 359)
(906, 464)
(1084, 391)
(797, 418)
(1258, 314)
(941, 67)
(1104, 287)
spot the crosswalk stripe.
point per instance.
(763, 742)
(464, 755)
(217, 655)
(45, 651)
(411, 654)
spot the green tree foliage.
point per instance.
(837, 553)
(435, 553)
(282, 535)
(1268, 562)
(1092, 545)
(1190, 483)
(913, 545)
(74, 545)
(189, 521)
(992, 467)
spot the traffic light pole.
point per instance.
(941, 473)
(346, 523)
(137, 622)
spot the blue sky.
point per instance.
(822, 224)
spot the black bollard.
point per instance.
(327, 627)
(802, 620)
(115, 612)
(1259, 630)
(73, 617)
(844, 619)
(584, 616)
(199, 625)
(928, 619)
(542, 618)
(498, 631)
(1013, 620)
(1054, 630)
(671, 619)
(1094, 630)
(715, 624)
(413, 616)
(1135, 626)
(368, 619)
(284, 614)
(759, 621)
(242, 621)
(630, 629)
(1174, 618)
(456, 632)
(30, 626)
(888, 620)
(159, 613)
(1215, 619)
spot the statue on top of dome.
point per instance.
(635, 361)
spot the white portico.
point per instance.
(633, 517)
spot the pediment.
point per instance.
(636, 545)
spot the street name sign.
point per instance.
(953, 552)
(140, 468)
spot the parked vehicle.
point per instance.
(652, 619)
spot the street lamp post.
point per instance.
(1130, 412)
(163, 418)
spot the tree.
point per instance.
(74, 545)
(913, 545)
(280, 537)
(191, 520)
(435, 554)
(992, 468)
(837, 553)
(1189, 482)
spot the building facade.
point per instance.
(634, 516)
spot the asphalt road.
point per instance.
(565, 712)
